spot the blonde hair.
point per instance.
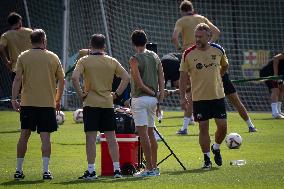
(204, 27)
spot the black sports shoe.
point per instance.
(217, 156)
(18, 175)
(88, 176)
(207, 163)
(47, 176)
(117, 174)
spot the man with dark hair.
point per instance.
(147, 92)
(38, 70)
(275, 67)
(15, 41)
(204, 64)
(98, 70)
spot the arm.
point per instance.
(175, 39)
(276, 60)
(75, 80)
(183, 81)
(224, 69)
(161, 82)
(215, 32)
(4, 56)
(59, 91)
(137, 78)
(16, 89)
(123, 83)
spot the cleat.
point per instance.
(182, 132)
(207, 163)
(277, 116)
(117, 174)
(157, 171)
(145, 173)
(217, 156)
(252, 130)
(47, 176)
(88, 176)
(19, 175)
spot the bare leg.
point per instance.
(91, 146)
(204, 138)
(236, 102)
(23, 143)
(146, 145)
(112, 145)
(221, 131)
(154, 146)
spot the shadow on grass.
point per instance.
(22, 182)
(69, 144)
(103, 180)
(193, 171)
(173, 117)
(7, 132)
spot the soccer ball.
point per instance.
(78, 116)
(234, 140)
(60, 117)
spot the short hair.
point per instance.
(139, 38)
(98, 41)
(13, 18)
(186, 6)
(38, 36)
(203, 27)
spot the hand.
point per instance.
(113, 95)
(16, 105)
(83, 96)
(158, 110)
(184, 103)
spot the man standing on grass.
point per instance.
(98, 70)
(147, 79)
(204, 64)
(38, 70)
(15, 41)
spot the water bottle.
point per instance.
(160, 116)
(238, 162)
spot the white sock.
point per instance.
(249, 123)
(192, 118)
(186, 121)
(116, 166)
(91, 168)
(279, 104)
(207, 154)
(216, 146)
(274, 108)
(20, 162)
(45, 163)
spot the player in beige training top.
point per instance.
(98, 70)
(38, 70)
(186, 25)
(204, 64)
(15, 41)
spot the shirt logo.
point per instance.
(213, 57)
(199, 66)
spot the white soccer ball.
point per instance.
(60, 117)
(78, 116)
(234, 140)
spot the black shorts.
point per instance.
(207, 109)
(40, 119)
(229, 88)
(272, 84)
(98, 119)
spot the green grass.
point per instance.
(263, 152)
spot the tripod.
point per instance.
(140, 153)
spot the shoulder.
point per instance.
(24, 53)
(27, 29)
(188, 51)
(51, 54)
(217, 46)
(84, 52)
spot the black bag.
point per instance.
(124, 123)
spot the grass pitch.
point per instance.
(263, 152)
